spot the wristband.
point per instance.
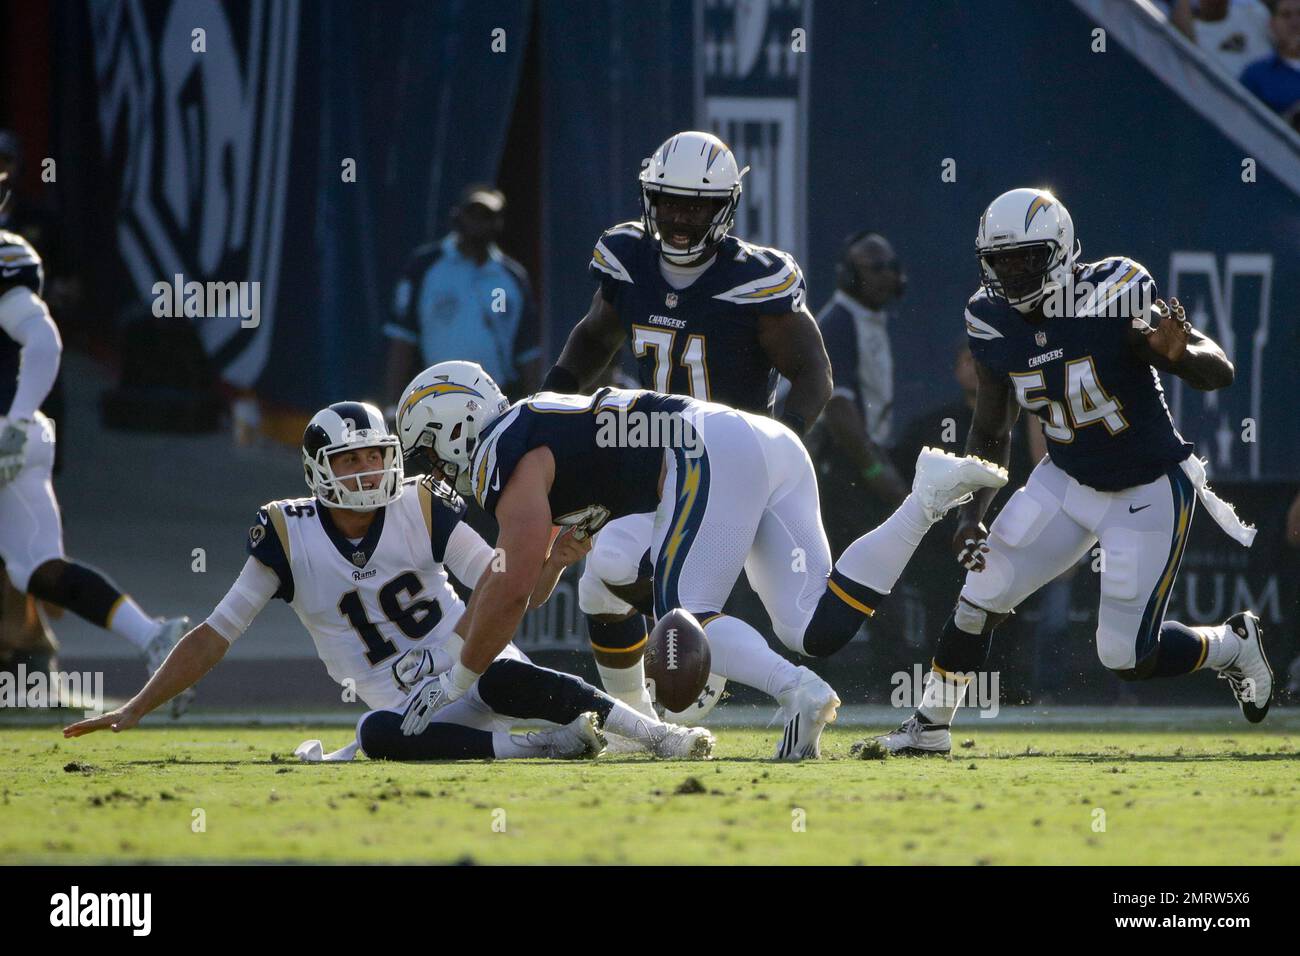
(461, 677)
(560, 379)
(873, 470)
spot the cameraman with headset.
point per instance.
(859, 482)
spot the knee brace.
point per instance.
(839, 614)
(963, 645)
(615, 558)
(595, 597)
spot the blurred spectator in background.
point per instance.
(463, 298)
(1275, 79)
(1233, 32)
(946, 427)
(859, 483)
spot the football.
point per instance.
(677, 660)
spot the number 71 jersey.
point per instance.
(366, 603)
(702, 340)
(1103, 408)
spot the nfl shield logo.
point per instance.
(1040, 338)
(359, 558)
(670, 300)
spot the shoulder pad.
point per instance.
(983, 316)
(20, 264)
(485, 477)
(442, 510)
(769, 277)
(268, 542)
(1113, 277)
(614, 246)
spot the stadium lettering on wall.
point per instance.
(1236, 314)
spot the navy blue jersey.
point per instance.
(700, 341)
(600, 473)
(1103, 408)
(20, 266)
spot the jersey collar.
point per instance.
(451, 250)
(861, 313)
(358, 555)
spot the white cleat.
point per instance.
(156, 651)
(944, 480)
(808, 707)
(916, 738)
(674, 742)
(1249, 675)
(579, 739)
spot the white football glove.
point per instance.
(412, 667)
(428, 700)
(13, 442)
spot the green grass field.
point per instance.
(1017, 795)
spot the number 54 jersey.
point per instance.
(367, 602)
(1103, 408)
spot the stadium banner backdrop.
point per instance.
(617, 80)
(752, 90)
(308, 147)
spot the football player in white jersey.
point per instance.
(31, 530)
(364, 564)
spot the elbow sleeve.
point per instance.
(251, 592)
(25, 319)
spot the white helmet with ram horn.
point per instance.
(344, 427)
(443, 410)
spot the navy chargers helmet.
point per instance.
(692, 165)
(346, 426)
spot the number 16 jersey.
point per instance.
(366, 603)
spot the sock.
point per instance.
(741, 654)
(520, 689)
(839, 614)
(129, 621)
(1183, 649)
(619, 648)
(962, 649)
(627, 722)
(380, 735)
(628, 685)
(941, 696)
(88, 594)
(1222, 645)
(515, 746)
(877, 559)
